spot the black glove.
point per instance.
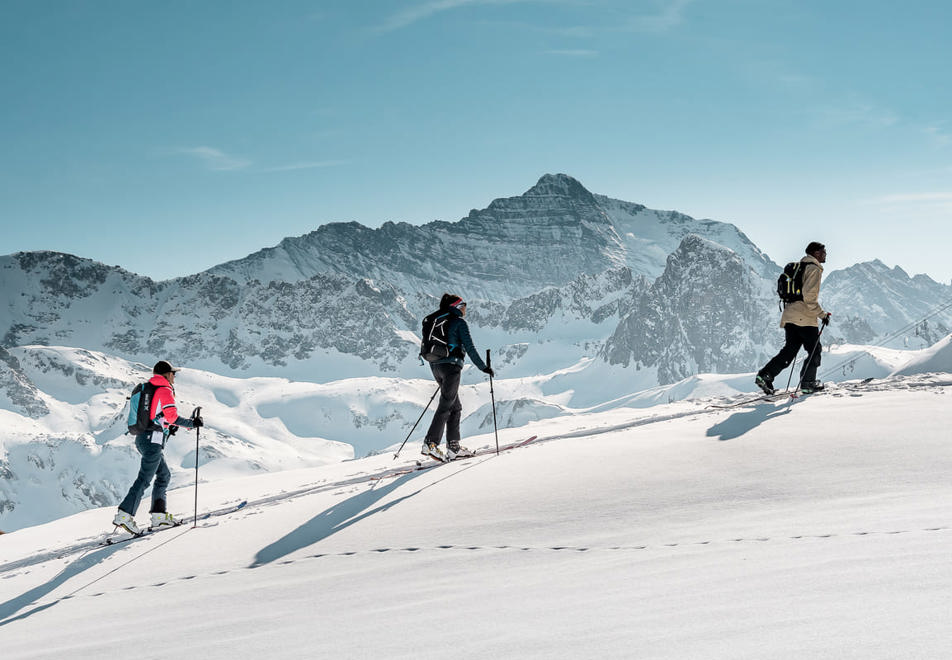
(826, 319)
(198, 422)
(489, 370)
(172, 430)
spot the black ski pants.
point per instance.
(447, 415)
(798, 336)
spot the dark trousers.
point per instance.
(446, 417)
(798, 336)
(152, 465)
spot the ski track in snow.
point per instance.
(463, 549)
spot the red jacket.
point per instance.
(163, 409)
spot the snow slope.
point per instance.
(818, 528)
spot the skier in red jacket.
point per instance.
(164, 417)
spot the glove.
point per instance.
(826, 319)
(172, 430)
(489, 370)
(198, 422)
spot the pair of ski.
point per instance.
(149, 531)
(426, 464)
(778, 396)
(112, 539)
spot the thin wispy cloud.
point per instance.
(666, 15)
(855, 112)
(938, 135)
(906, 205)
(412, 15)
(670, 15)
(309, 165)
(914, 198)
(213, 159)
(426, 10)
(576, 52)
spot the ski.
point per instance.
(237, 507)
(737, 404)
(149, 531)
(778, 396)
(426, 465)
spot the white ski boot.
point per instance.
(163, 520)
(127, 522)
(452, 453)
(432, 450)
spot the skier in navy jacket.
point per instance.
(447, 373)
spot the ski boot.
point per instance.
(432, 450)
(458, 451)
(126, 522)
(812, 386)
(163, 520)
(765, 382)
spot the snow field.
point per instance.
(817, 529)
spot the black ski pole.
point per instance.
(492, 394)
(417, 422)
(790, 377)
(806, 364)
(195, 414)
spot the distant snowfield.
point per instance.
(820, 527)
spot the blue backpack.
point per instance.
(140, 403)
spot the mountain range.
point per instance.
(582, 298)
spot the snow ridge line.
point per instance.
(517, 548)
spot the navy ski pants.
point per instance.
(152, 465)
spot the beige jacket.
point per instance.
(806, 312)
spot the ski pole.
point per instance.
(807, 363)
(492, 394)
(790, 377)
(417, 422)
(195, 414)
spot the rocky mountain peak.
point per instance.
(561, 185)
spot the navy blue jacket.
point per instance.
(459, 340)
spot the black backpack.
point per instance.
(790, 282)
(435, 344)
(140, 403)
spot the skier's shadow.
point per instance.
(740, 423)
(327, 523)
(14, 605)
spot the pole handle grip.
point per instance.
(489, 362)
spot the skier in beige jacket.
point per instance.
(801, 323)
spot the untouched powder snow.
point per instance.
(815, 528)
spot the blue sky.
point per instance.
(167, 137)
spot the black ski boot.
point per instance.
(812, 386)
(765, 382)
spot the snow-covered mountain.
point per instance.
(345, 301)
(872, 300)
(516, 246)
(585, 301)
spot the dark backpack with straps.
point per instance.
(140, 403)
(790, 282)
(435, 344)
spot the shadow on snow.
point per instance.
(82, 564)
(339, 517)
(742, 422)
